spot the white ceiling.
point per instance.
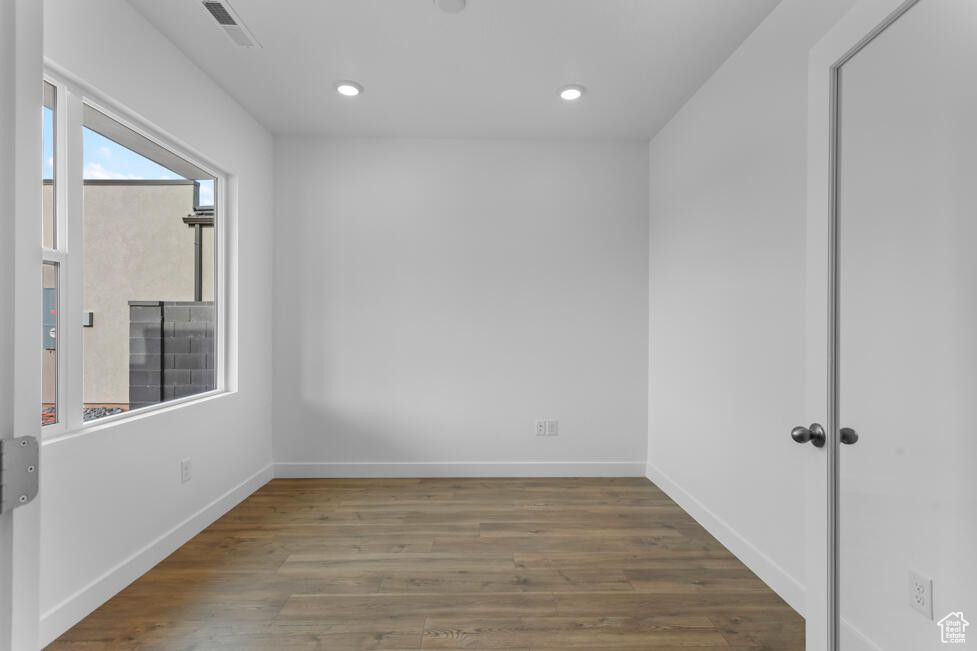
(492, 70)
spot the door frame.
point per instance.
(21, 65)
(856, 29)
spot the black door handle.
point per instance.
(849, 436)
(813, 434)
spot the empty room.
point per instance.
(488, 324)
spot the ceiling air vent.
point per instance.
(230, 23)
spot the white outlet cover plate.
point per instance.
(921, 594)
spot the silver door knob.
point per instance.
(813, 434)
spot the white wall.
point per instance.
(113, 501)
(727, 186)
(434, 297)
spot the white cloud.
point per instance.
(50, 161)
(96, 171)
(105, 153)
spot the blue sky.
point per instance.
(106, 159)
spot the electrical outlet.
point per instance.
(921, 594)
(547, 427)
(185, 469)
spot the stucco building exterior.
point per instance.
(137, 247)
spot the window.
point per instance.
(139, 285)
(48, 215)
(49, 334)
(51, 264)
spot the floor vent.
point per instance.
(230, 23)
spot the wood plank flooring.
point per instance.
(520, 564)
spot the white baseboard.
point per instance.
(69, 612)
(790, 589)
(295, 470)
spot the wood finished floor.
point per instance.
(527, 564)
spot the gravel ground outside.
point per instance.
(49, 414)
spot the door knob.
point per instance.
(814, 434)
(849, 436)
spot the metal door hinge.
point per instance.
(18, 472)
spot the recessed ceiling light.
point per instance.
(572, 93)
(348, 88)
(450, 6)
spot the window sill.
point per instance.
(57, 432)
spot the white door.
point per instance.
(20, 303)
(907, 338)
(900, 337)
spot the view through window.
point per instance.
(51, 267)
(149, 271)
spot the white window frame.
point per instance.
(71, 97)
